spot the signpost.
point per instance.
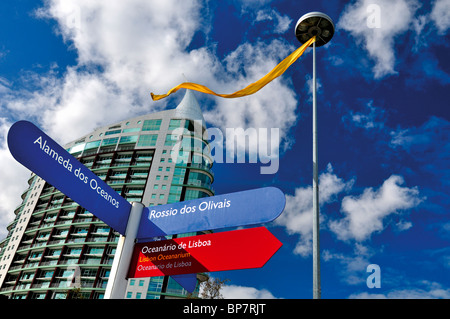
(181, 257)
(249, 207)
(238, 249)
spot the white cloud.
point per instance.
(125, 50)
(440, 14)
(423, 290)
(364, 214)
(309, 86)
(242, 292)
(420, 138)
(245, 65)
(13, 180)
(281, 24)
(352, 267)
(403, 225)
(395, 18)
(371, 117)
(297, 215)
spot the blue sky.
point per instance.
(383, 119)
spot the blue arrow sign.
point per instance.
(38, 152)
(249, 207)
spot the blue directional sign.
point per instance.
(39, 153)
(249, 207)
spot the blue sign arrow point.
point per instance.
(250, 207)
(187, 281)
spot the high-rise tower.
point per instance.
(53, 244)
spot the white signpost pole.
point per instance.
(117, 282)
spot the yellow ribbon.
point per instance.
(250, 89)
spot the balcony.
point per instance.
(82, 220)
(80, 233)
(34, 258)
(49, 263)
(90, 261)
(56, 242)
(43, 238)
(42, 285)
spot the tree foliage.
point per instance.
(211, 288)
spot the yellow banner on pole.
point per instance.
(250, 89)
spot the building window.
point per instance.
(110, 141)
(113, 132)
(90, 145)
(129, 294)
(174, 124)
(151, 125)
(130, 130)
(147, 140)
(128, 139)
(171, 139)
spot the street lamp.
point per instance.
(320, 25)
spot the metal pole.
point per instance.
(320, 25)
(316, 244)
(117, 282)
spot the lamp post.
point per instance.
(320, 25)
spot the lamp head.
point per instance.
(314, 24)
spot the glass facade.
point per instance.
(62, 235)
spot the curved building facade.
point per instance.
(54, 245)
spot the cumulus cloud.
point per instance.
(13, 180)
(365, 214)
(423, 290)
(362, 216)
(125, 50)
(281, 23)
(393, 19)
(242, 292)
(297, 215)
(245, 65)
(440, 14)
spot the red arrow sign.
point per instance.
(238, 249)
